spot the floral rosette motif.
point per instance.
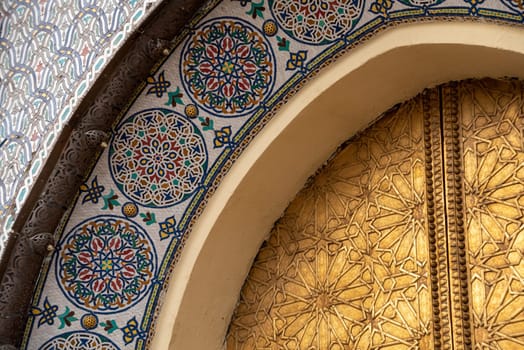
(157, 158)
(227, 67)
(317, 21)
(106, 264)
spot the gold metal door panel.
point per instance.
(492, 125)
(411, 237)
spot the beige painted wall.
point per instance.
(343, 99)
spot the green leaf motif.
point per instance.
(149, 218)
(110, 201)
(257, 9)
(174, 98)
(109, 326)
(283, 44)
(67, 318)
(207, 123)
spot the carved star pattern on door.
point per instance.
(411, 237)
(492, 127)
(348, 266)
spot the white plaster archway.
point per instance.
(340, 101)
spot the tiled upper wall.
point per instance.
(51, 51)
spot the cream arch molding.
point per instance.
(337, 103)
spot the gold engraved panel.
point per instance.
(348, 266)
(493, 151)
(412, 236)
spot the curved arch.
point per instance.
(55, 175)
(339, 102)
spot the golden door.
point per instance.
(411, 237)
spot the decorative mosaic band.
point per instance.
(233, 68)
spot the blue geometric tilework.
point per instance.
(47, 313)
(225, 79)
(93, 192)
(106, 264)
(157, 158)
(157, 86)
(132, 330)
(228, 67)
(51, 51)
(316, 21)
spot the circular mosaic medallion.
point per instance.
(317, 21)
(79, 341)
(106, 264)
(157, 158)
(228, 67)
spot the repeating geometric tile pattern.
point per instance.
(347, 265)
(106, 264)
(157, 158)
(317, 21)
(50, 52)
(494, 191)
(228, 67)
(234, 66)
(79, 341)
